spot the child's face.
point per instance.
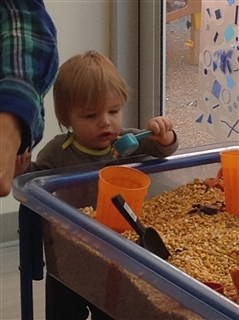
(100, 125)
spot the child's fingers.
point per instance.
(160, 126)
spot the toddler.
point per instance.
(89, 97)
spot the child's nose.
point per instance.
(105, 120)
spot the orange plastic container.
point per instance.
(131, 183)
(230, 170)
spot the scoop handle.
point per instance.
(143, 134)
(128, 214)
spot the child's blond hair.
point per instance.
(82, 81)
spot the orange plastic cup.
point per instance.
(230, 170)
(131, 183)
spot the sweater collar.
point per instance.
(72, 141)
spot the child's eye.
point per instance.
(114, 111)
(90, 115)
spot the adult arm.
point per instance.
(10, 140)
(28, 66)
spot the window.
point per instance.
(202, 70)
(166, 65)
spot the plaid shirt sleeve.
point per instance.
(28, 64)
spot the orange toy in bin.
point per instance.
(218, 287)
(230, 171)
(235, 278)
(131, 183)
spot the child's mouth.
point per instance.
(107, 136)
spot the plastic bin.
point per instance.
(115, 274)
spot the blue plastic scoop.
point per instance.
(129, 143)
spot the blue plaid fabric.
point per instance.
(28, 64)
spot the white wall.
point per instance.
(81, 25)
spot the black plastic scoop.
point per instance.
(148, 237)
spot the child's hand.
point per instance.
(23, 162)
(162, 128)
